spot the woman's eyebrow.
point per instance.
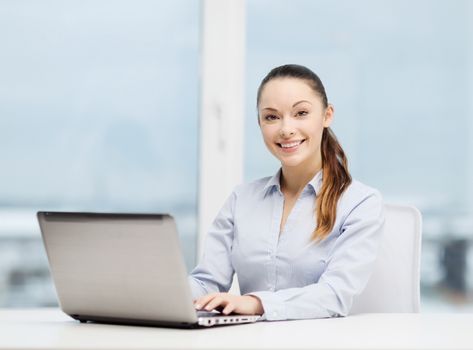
(270, 108)
(295, 104)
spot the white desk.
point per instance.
(50, 329)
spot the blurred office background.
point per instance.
(99, 111)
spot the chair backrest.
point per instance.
(395, 283)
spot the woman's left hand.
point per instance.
(227, 303)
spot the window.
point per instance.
(96, 100)
(397, 73)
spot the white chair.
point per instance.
(395, 283)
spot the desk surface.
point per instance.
(51, 329)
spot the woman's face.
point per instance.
(292, 119)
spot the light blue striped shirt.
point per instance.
(293, 277)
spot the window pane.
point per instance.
(98, 112)
(399, 75)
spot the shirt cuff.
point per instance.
(274, 307)
(197, 287)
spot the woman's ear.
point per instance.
(328, 115)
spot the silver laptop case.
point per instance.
(121, 268)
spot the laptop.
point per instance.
(123, 269)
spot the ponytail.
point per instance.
(335, 180)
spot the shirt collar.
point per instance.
(274, 182)
(316, 182)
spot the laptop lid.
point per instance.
(122, 267)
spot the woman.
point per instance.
(303, 241)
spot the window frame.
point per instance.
(222, 107)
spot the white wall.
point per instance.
(222, 107)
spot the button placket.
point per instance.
(276, 220)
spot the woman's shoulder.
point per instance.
(253, 187)
(360, 202)
(357, 193)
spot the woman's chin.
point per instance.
(290, 163)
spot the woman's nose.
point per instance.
(287, 130)
(286, 133)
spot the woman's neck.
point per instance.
(294, 179)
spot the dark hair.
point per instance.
(335, 174)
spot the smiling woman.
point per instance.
(303, 241)
(306, 120)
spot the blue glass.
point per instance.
(98, 112)
(399, 76)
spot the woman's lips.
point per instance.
(290, 147)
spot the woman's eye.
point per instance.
(270, 117)
(302, 113)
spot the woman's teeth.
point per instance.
(292, 144)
